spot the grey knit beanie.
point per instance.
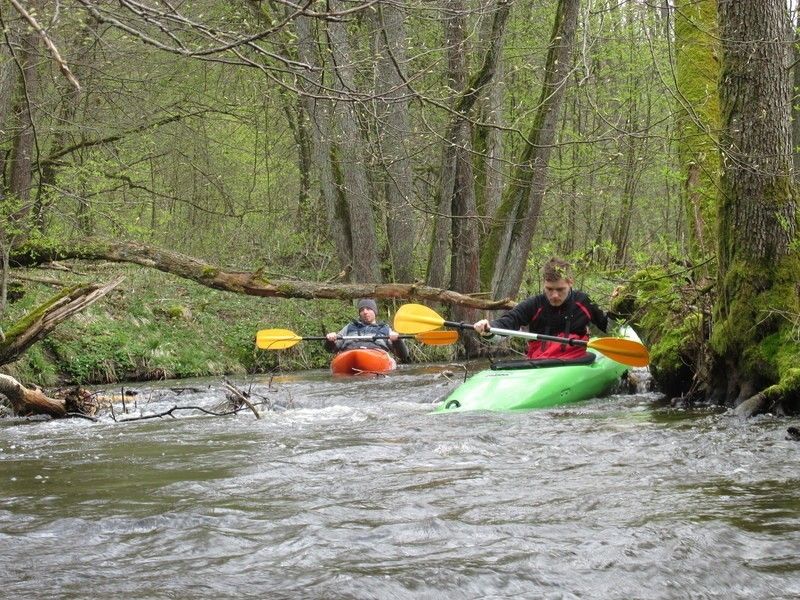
(368, 303)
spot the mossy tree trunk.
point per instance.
(40, 322)
(758, 307)
(37, 252)
(796, 99)
(697, 69)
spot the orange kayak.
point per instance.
(362, 360)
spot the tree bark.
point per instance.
(393, 130)
(24, 141)
(351, 157)
(439, 259)
(759, 259)
(490, 138)
(249, 283)
(42, 321)
(318, 113)
(458, 213)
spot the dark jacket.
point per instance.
(571, 319)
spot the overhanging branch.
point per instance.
(242, 282)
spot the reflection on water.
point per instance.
(357, 491)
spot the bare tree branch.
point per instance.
(62, 65)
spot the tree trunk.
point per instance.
(393, 131)
(9, 73)
(27, 402)
(24, 141)
(759, 259)
(240, 282)
(632, 173)
(317, 112)
(490, 138)
(18, 94)
(465, 274)
(796, 99)
(44, 319)
(351, 158)
(440, 255)
(506, 255)
(697, 69)
(458, 213)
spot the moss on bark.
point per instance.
(669, 310)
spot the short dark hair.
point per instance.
(556, 268)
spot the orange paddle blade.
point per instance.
(440, 337)
(627, 352)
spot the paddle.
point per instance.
(416, 318)
(280, 339)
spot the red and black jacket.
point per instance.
(571, 319)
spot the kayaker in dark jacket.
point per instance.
(560, 311)
(367, 324)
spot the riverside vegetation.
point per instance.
(157, 326)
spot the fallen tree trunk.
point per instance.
(27, 402)
(249, 283)
(43, 320)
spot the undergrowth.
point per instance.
(158, 326)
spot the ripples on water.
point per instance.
(356, 491)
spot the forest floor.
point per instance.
(158, 326)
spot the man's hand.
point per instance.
(482, 327)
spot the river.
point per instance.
(350, 488)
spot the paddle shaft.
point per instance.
(538, 336)
(523, 334)
(418, 318)
(357, 337)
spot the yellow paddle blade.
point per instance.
(627, 352)
(416, 318)
(276, 339)
(440, 337)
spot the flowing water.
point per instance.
(349, 488)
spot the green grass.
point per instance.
(158, 326)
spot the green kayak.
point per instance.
(523, 384)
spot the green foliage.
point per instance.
(156, 326)
(37, 367)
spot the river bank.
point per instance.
(157, 326)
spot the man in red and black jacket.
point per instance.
(560, 311)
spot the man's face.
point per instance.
(557, 291)
(367, 315)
